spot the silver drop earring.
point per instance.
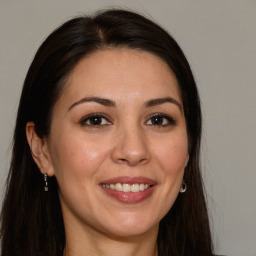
(183, 187)
(45, 182)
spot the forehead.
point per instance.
(121, 74)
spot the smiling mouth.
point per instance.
(129, 190)
(134, 188)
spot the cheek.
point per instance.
(172, 155)
(77, 156)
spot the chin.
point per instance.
(132, 226)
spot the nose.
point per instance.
(131, 148)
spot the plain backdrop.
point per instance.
(219, 40)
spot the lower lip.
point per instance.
(130, 197)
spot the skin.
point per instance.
(127, 142)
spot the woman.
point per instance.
(106, 146)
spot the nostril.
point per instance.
(132, 162)
(124, 161)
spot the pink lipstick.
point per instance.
(129, 189)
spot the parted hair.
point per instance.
(31, 219)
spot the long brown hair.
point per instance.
(31, 220)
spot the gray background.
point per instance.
(219, 39)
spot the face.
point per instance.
(118, 143)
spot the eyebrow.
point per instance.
(160, 101)
(110, 103)
(102, 101)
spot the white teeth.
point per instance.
(135, 188)
(127, 187)
(118, 187)
(142, 186)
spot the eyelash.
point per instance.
(165, 119)
(90, 117)
(168, 120)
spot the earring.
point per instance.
(183, 187)
(45, 182)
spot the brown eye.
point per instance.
(161, 120)
(95, 120)
(158, 120)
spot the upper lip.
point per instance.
(129, 180)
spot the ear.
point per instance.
(39, 150)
